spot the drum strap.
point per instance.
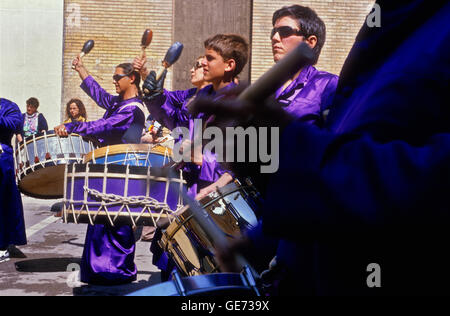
(136, 104)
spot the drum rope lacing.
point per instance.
(112, 199)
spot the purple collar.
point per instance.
(298, 82)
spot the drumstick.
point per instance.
(146, 40)
(87, 47)
(172, 55)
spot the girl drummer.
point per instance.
(108, 255)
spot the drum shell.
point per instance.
(133, 186)
(190, 246)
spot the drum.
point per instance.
(131, 154)
(120, 194)
(206, 285)
(40, 162)
(231, 209)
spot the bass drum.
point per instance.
(231, 209)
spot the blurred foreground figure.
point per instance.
(360, 207)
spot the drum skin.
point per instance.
(144, 155)
(189, 245)
(40, 162)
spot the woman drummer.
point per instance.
(75, 111)
(108, 255)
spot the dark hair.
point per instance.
(33, 102)
(129, 70)
(230, 46)
(309, 23)
(80, 106)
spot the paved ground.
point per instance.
(44, 267)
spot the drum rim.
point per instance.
(130, 148)
(39, 136)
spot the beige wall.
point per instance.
(39, 39)
(31, 37)
(116, 27)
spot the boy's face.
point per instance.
(214, 67)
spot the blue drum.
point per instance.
(120, 194)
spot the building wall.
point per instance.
(116, 27)
(31, 37)
(197, 20)
(117, 37)
(342, 18)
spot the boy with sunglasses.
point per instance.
(309, 93)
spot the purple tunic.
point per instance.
(108, 255)
(309, 95)
(12, 224)
(171, 110)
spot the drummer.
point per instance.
(12, 223)
(108, 256)
(225, 57)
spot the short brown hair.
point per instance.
(230, 46)
(33, 102)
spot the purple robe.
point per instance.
(171, 110)
(108, 255)
(12, 223)
(309, 95)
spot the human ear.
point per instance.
(230, 65)
(312, 41)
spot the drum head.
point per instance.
(45, 183)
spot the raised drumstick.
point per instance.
(172, 55)
(146, 40)
(87, 47)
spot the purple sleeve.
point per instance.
(169, 108)
(11, 120)
(211, 170)
(105, 128)
(97, 93)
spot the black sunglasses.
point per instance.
(197, 65)
(117, 77)
(285, 31)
